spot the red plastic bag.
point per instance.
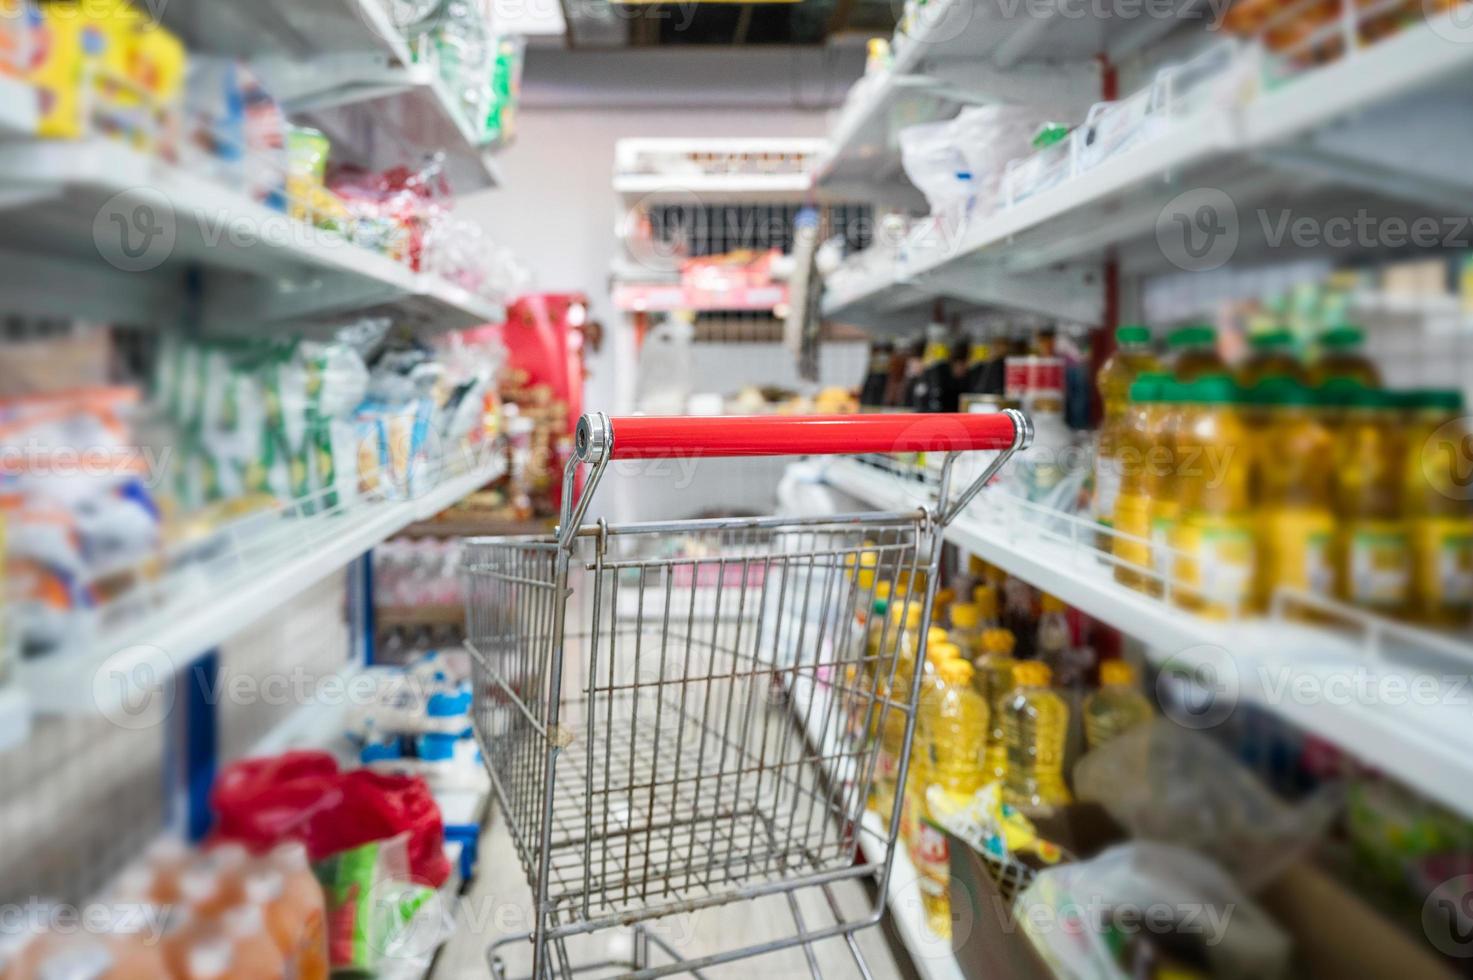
(304, 796)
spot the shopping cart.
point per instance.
(626, 678)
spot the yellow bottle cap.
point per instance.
(1053, 604)
(965, 616)
(939, 652)
(1031, 673)
(882, 590)
(944, 598)
(999, 641)
(936, 634)
(955, 672)
(984, 597)
(1117, 672)
(907, 615)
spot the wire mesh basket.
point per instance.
(627, 676)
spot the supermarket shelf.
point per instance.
(468, 526)
(1312, 140)
(15, 716)
(1339, 684)
(677, 188)
(345, 66)
(203, 610)
(72, 210)
(930, 955)
(663, 297)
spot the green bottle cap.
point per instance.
(1342, 337)
(1212, 389)
(1447, 400)
(1281, 393)
(1147, 387)
(1277, 338)
(1133, 334)
(1197, 335)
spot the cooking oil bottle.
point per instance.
(1035, 726)
(1341, 356)
(1194, 352)
(896, 644)
(954, 725)
(1132, 518)
(1054, 635)
(966, 629)
(1271, 355)
(1214, 535)
(994, 681)
(1373, 551)
(1116, 707)
(1131, 358)
(1292, 476)
(1439, 510)
(1163, 479)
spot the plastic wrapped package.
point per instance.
(1046, 167)
(1151, 781)
(934, 162)
(1114, 127)
(1224, 74)
(990, 136)
(505, 88)
(1145, 908)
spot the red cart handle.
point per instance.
(810, 435)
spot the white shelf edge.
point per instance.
(159, 644)
(1419, 745)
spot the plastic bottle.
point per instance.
(936, 389)
(994, 681)
(255, 953)
(1439, 511)
(877, 377)
(1054, 635)
(302, 893)
(1131, 359)
(1341, 357)
(1373, 550)
(1131, 520)
(1296, 519)
(1214, 570)
(984, 597)
(1035, 726)
(966, 629)
(1116, 707)
(954, 722)
(1194, 352)
(918, 776)
(1163, 481)
(1271, 355)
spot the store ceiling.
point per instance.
(682, 23)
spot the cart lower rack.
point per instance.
(625, 677)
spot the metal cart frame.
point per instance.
(662, 786)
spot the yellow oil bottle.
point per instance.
(1132, 518)
(1035, 726)
(1194, 352)
(1271, 354)
(1116, 706)
(1213, 538)
(1439, 508)
(966, 629)
(994, 681)
(954, 724)
(1341, 356)
(1292, 477)
(1131, 359)
(1373, 550)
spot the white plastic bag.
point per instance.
(1092, 918)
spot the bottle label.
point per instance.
(1133, 517)
(1107, 489)
(1216, 563)
(1379, 564)
(1297, 550)
(931, 855)
(1444, 556)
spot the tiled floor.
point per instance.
(499, 903)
